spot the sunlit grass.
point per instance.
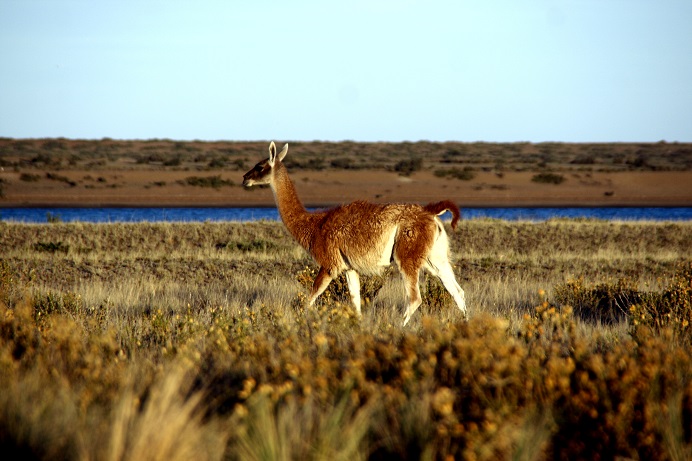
(194, 341)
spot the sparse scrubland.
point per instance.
(107, 172)
(193, 341)
(405, 157)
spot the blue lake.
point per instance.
(39, 215)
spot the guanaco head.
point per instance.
(263, 171)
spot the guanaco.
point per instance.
(364, 238)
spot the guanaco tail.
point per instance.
(363, 237)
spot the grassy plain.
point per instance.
(181, 341)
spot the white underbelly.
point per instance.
(375, 258)
(388, 248)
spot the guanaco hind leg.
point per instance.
(446, 275)
(354, 288)
(413, 294)
(437, 263)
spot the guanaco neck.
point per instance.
(298, 221)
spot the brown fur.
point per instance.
(360, 237)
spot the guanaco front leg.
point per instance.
(320, 284)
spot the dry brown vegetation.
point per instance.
(166, 172)
(107, 154)
(193, 341)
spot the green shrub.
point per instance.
(548, 178)
(207, 181)
(465, 174)
(248, 246)
(584, 159)
(54, 144)
(53, 217)
(174, 161)
(51, 247)
(28, 177)
(60, 178)
(341, 163)
(218, 162)
(406, 167)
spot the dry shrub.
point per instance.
(10, 288)
(607, 302)
(608, 403)
(671, 309)
(69, 393)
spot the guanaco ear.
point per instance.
(272, 153)
(283, 152)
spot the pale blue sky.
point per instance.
(363, 70)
